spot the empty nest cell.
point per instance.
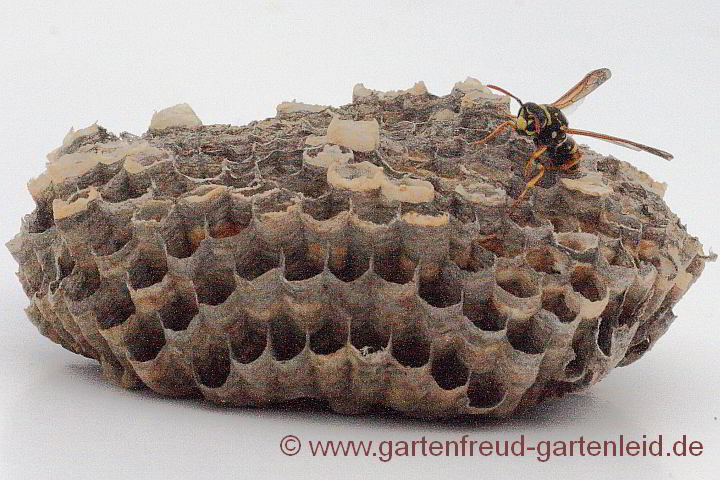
(144, 338)
(247, 342)
(449, 370)
(286, 340)
(587, 283)
(394, 266)
(147, 268)
(179, 310)
(484, 315)
(304, 261)
(411, 348)
(484, 391)
(330, 337)
(213, 284)
(211, 360)
(517, 282)
(442, 289)
(367, 334)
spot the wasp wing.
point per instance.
(622, 142)
(590, 82)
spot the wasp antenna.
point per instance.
(505, 92)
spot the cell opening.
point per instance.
(81, 283)
(247, 343)
(484, 391)
(605, 331)
(145, 339)
(254, 264)
(472, 258)
(542, 260)
(286, 340)
(213, 286)
(212, 362)
(329, 338)
(555, 302)
(366, 337)
(484, 315)
(181, 240)
(411, 349)
(178, 312)
(116, 309)
(229, 222)
(348, 263)
(585, 282)
(326, 206)
(504, 247)
(448, 370)
(304, 263)
(394, 267)
(147, 269)
(528, 337)
(440, 291)
(517, 283)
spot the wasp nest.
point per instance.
(362, 256)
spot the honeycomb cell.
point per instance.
(484, 391)
(449, 370)
(411, 348)
(178, 311)
(286, 340)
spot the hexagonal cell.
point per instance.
(484, 315)
(286, 340)
(115, 307)
(330, 337)
(368, 335)
(509, 246)
(411, 348)
(182, 238)
(177, 313)
(517, 282)
(82, 283)
(348, 262)
(484, 391)
(211, 359)
(471, 258)
(442, 288)
(247, 342)
(449, 370)
(327, 206)
(144, 339)
(545, 260)
(147, 268)
(229, 220)
(394, 266)
(529, 336)
(554, 301)
(304, 262)
(213, 284)
(586, 282)
(252, 263)
(578, 242)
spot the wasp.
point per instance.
(548, 127)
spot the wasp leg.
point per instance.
(496, 132)
(530, 163)
(529, 185)
(570, 164)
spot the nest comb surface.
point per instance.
(360, 255)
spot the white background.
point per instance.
(72, 63)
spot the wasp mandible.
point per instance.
(548, 127)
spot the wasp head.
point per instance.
(530, 119)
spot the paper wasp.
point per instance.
(548, 127)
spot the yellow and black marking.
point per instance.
(548, 127)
